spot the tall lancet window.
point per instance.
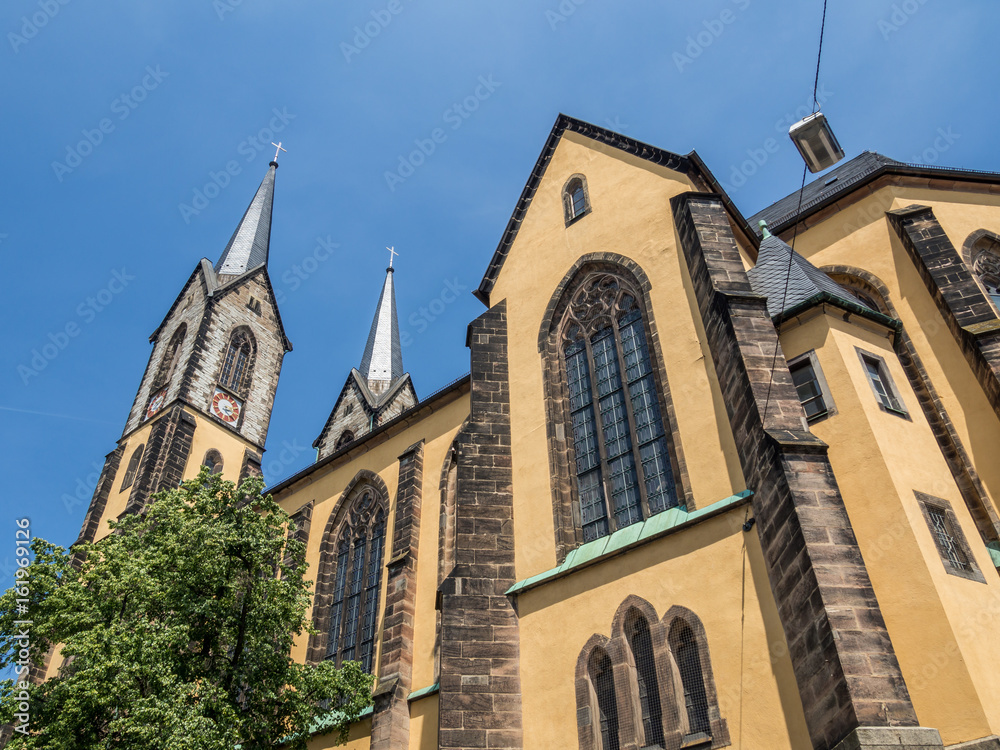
(171, 356)
(237, 367)
(357, 576)
(576, 201)
(622, 459)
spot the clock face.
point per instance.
(225, 407)
(156, 403)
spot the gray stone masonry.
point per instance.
(840, 650)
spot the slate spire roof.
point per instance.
(248, 247)
(382, 363)
(804, 280)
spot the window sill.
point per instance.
(578, 217)
(694, 741)
(901, 413)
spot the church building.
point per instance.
(699, 490)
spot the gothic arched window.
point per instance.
(133, 468)
(357, 575)
(345, 437)
(213, 460)
(688, 657)
(237, 367)
(623, 466)
(641, 643)
(171, 356)
(602, 682)
(986, 266)
(576, 200)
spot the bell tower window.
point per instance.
(237, 367)
(171, 355)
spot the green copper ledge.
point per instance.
(654, 527)
(994, 550)
(423, 692)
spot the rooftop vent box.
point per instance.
(816, 142)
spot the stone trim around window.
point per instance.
(323, 597)
(887, 380)
(928, 504)
(567, 198)
(831, 407)
(565, 500)
(670, 687)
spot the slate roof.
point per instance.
(865, 167)
(383, 357)
(805, 281)
(248, 247)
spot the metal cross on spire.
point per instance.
(392, 254)
(279, 148)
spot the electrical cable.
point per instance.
(798, 209)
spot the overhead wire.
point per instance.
(798, 209)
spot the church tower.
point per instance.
(205, 397)
(379, 390)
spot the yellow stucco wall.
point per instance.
(749, 656)
(859, 235)
(630, 216)
(325, 486)
(938, 622)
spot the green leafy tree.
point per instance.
(176, 630)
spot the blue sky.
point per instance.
(117, 116)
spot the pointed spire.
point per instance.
(382, 363)
(248, 247)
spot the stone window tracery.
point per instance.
(237, 367)
(356, 576)
(622, 461)
(171, 355)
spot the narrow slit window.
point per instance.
(133, 468)
(603, 681)
(810, 387)
(575, 199)
(882, 384)
(688, 656)
(641, 644)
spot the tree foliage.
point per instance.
(175, 632)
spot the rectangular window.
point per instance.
(948, 538)
(807, 377)
(881, 383)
